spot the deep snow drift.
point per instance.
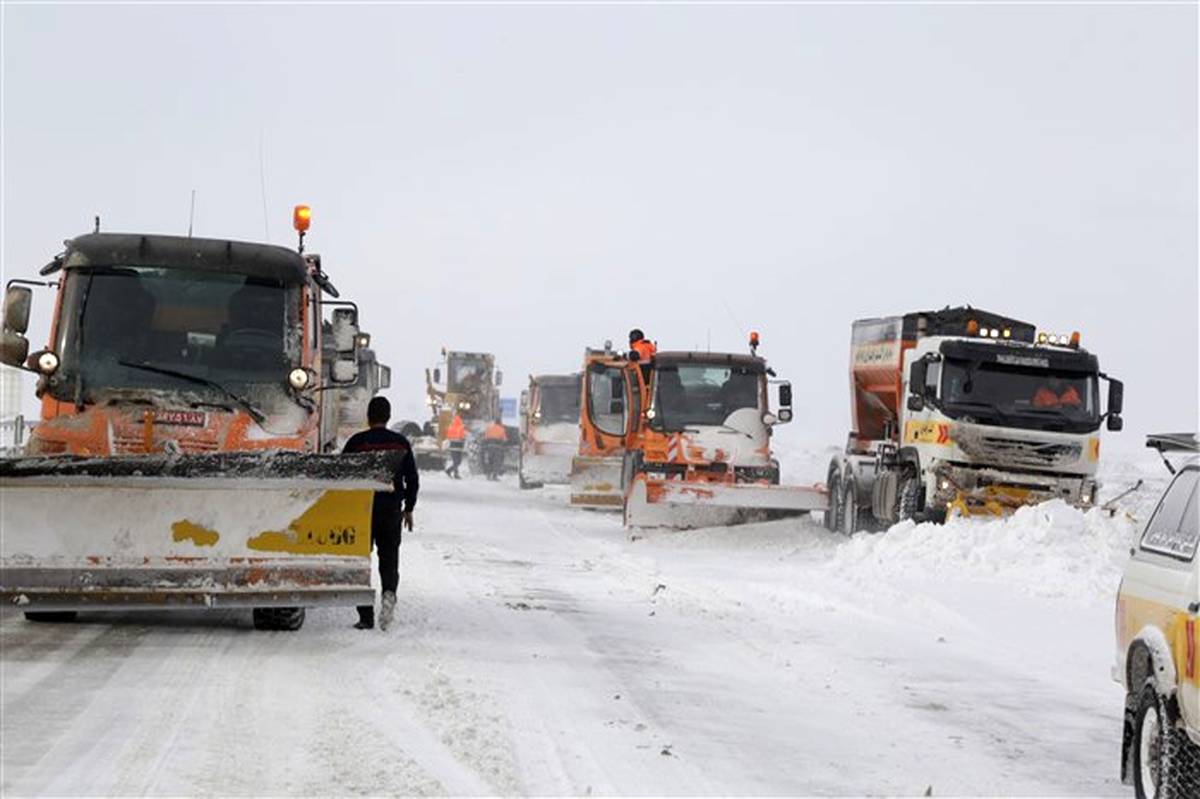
(539, 649)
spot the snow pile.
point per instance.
(1050, 550)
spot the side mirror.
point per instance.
(344, 326)
(499, 377)
(14, 348)
(785, 397)
(1116, 398)
(17, 302)
(916, 381)
(385, 376)
(345, 370)
(915, 402)
(437, 375)
(1115, 422)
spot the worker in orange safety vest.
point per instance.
(456, 435)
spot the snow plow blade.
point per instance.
(682, 505)
(596, 482)
(276, 529)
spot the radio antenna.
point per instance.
(192, 213)
(262, 181)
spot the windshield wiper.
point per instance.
(254, 412)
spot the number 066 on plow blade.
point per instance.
(275, 529)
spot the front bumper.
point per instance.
(971, 491)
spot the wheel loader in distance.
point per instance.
(549, 429)
(188, 405)
(968, 412)
(702, 455)
(467, 383)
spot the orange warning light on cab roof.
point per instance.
(754, 338)
(301, 217)
(972, 328)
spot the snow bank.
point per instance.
(1050, 550)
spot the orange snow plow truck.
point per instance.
(702, 457)
(188, 419)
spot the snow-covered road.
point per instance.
(540, 650)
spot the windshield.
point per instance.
(236, 331)
(1021, 396)
(558, 403)
(701, 394)
(468, 374)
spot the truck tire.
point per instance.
(911, 499)
(51, 616)
(850, 521)
(285, 619)
(833, 515)
(1166, 764)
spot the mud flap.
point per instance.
(236, 530)
(596, 482)
(682, 505)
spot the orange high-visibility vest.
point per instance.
(645, 350)
(457, 431)
(495, 432)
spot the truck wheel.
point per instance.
(1166, 765)
(833, 515)
(286, 619)
(849, 507)
(51, 616)
(910, 498)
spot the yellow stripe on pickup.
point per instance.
(1134, 614)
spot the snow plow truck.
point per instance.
(188, 415)
(702, 457)
(549, 429)
(967, 412)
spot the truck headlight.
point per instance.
(47, 363)
(298, 378)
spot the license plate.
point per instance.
(182, 418)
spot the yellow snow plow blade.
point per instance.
(596, 482)
(230, 530)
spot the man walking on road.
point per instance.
(391, 509)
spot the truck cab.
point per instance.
(550, 410)
(180, 344)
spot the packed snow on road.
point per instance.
(541, 649)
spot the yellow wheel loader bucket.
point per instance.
(231, 530)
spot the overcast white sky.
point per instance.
(531, 180)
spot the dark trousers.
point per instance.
(456, 455)
(385, 537)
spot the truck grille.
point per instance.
(135, 445)
(1014, 452)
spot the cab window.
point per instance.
(1174, 529)
(606, 398)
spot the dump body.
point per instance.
(550, 412)
(966, 411)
